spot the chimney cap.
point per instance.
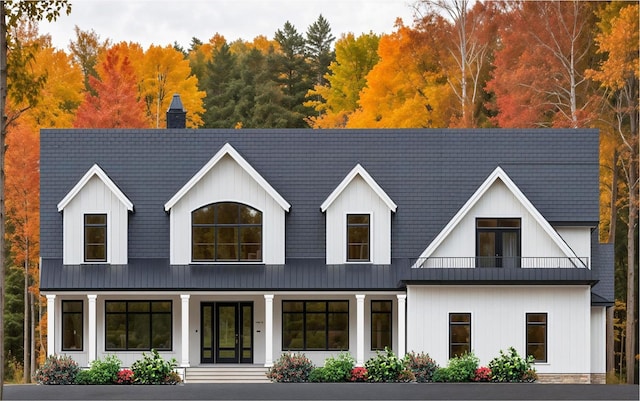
(176, 104)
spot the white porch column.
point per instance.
(185, 330)
(93, 330)
(360, 329)
(51, 324)
(402, 325)
(268, 330)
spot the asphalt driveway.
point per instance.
(325, 391)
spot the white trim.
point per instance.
(360, 329)
(402, 324)
(497, 174)
(92, 340)
(51, 324)
(95, 170)
(227, 150)
(184, 350)
(358, 170)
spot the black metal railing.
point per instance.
(506, 262)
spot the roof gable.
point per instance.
(497, 174)
(95, 171)
(358, 170)
(227, 150)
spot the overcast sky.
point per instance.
(163, 22)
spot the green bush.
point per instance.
(101, 371)
(57, 369)
(83, 377)
(460, 369)
(511, 367)
(316, 375)
(338, 369)
(152, 368)
(291, 368)
(441, 375)
(421, 365)
(384, 367)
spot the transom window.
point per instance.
(138, 325)
(358, 238)
(498, 242)
(459, 334)
(537, 336)
(72, 325)
(95, 237)
(226, 231)
(381, 325)
(315, 325)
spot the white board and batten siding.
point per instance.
(599, 339)
(578, 239)
(95, 198)
(498, 321)
(358, 198)
(227, 181)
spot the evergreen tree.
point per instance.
(319, 40)
(222, 89)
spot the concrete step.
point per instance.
(226, 374)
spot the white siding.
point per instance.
(95, 197)
(358, 198)
(578, 239)
(598, 339)
(228, 182)
(498, 322)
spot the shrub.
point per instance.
(422, 366)
(483, 374)
(338, 369)
(101, 371)
(291, 368)
(125, 376)
(316, 375)
(83, 377)
(57, 369)
(460, 369)
(152, 368)
(359, 374)
(172, 378)
(441, 375)
(406, 376)
(511, 367)
(384, 367)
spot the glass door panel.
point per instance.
(206, 331)
(227, 340)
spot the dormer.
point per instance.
(227, 213)
(95, 221)
(358, 215)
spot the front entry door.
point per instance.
(227, 332)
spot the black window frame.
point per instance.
(87, 244)
(545, 325)
(67, 313)
(356, 225)
(305, 312)
(389, 315)
(498, 230)
(453, 324)
(215, 226)
(128, 313)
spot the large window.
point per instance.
(95, 237)
(498, 242)
(315, 325)
(537, 336)
(138, 325)
(72, 325)
(226, 232)
(381, 324)
(459, 334)
(358, 238)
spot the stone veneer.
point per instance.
(575, 378)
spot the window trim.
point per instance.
(126, 313)
(106, 237)
(546, 335)
(390, 315)
(451, 324)
(347, 243)
(304, 324)
(499, 258)
(214, 226)
(81, 313)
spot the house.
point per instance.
(234, 246)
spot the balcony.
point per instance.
(505, 262)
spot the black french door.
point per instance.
(226, 332)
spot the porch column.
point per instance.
(185, 330)
(360, 329)
(51, 324)
(268, 330)
(402, 325)
(92, 340)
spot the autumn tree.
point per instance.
(86, 51)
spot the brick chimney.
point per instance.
(176, 114)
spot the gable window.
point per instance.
(498, 242)
(315, 325)
(72, 325)
(459, 334)
(138, 325)
(380, 325)
(95, 237)
(537, 336)
(358, 238)
(226, 232)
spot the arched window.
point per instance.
(226, 232)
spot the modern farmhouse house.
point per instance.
(230, 247)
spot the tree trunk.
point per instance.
(3, 98)
(631, 279)
(32, 337)
(25, 332)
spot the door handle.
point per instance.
(236, 338)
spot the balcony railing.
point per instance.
(505, 262)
